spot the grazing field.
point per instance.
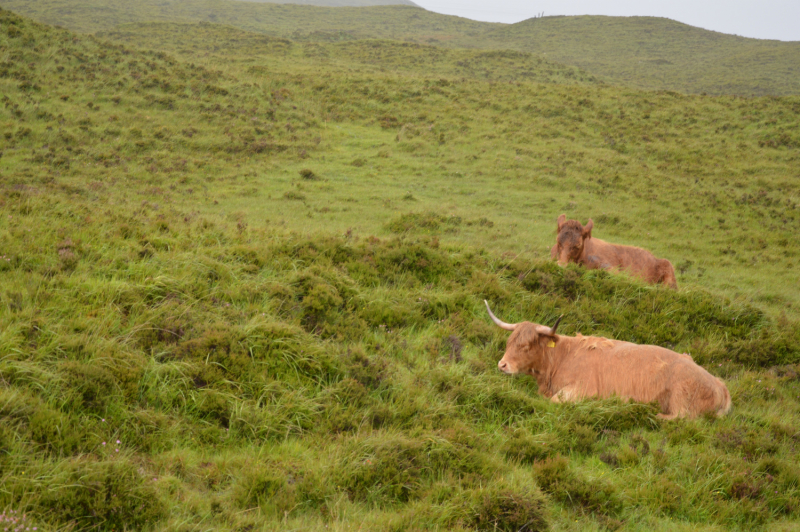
(241, 284)
(642, 52)
(658, 53)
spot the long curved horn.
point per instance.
(496, 320)
(549, 331)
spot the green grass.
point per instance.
(642, 52)
(341, 3)
(658, 53)
(304, 22)
(708, 182)
(259, 265)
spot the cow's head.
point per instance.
(527, 346)
(571, 238)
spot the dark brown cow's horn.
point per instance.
(549, 331)
(496, 320)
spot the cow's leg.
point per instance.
(681, 399)
(669, 407)
(565, 395)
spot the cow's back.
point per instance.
(612, 367)
(599, 254)
(599, 367)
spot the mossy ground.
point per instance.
(239, 294)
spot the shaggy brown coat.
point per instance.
(572, 368)
(575, 243)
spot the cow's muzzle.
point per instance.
(503, 366)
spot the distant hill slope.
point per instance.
(642, 52)
(339, 3)
(658, 53)
(222, 44)
(400, 22)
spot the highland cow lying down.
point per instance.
(569, 369)
(575, 243)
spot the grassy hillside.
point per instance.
(256, 55)
(340, 3)
(241, 283)
(658, 53)
(641, 52)
(710, 183)
(283, 20)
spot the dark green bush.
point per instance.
(102, 494)
(529, 449)
(391, 314)
(384, 472)
(580, 438)
(213, 406)
(309, 175)
(785, 473)
(218, 343)
(441, 306)
(664, 494)
(751, 443)
(556, 478)
(612, 414)
(250, 255)
(259, 485)
(425, 263)
(427, 222)
(324, 295)
(89, 386)
(277, 488)
(56, 431)
(345, 405)
(171, 322)
(765, 350)
(370, 371)
(387, 469)
(512, 511)
(685, 431)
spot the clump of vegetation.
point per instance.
(294, 195)
(423, 222)
(500, 508)
(178, 351)
(556, 478)
(109, 493)
(529, 449)
(309, 175)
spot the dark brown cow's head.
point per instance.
(571, 238)
(526, 347)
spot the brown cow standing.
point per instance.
(572, 368)
(575, 243)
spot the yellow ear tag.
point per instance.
(551, 344)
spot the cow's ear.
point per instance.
(547, 341)
(587, 229)
(561, 220)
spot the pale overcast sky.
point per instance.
(762, 19)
